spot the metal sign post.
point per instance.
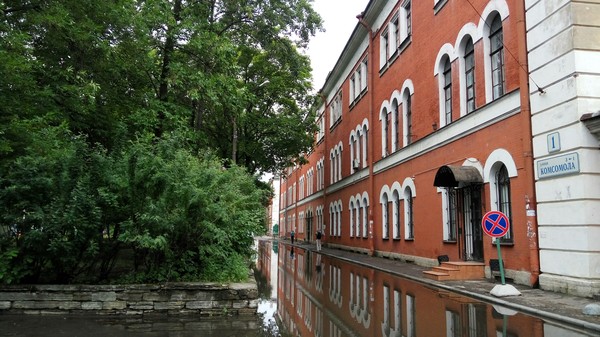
(500, 262)
(496, 225)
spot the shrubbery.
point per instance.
(69, 211)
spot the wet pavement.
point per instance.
(550, 306)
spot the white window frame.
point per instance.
(405, 21)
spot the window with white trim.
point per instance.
(321, 131)
(447, 77)
(405, 22)
(395, 33)
(357, 218)
(384, 48)
(332, 220)
(385, 220)
(497, 57)
(358, 81)
(469, 61)
(335, 157)
(294, 195)
(321, 174)
(335, 110)
(339, 218)
(365, 213)
(351, 212)
(503, 199)
(451, 211)
(395, 126)
(335, 218)
(385, 131)
(396, 213)
(408, 214)
(407, 106)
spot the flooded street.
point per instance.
(318, 295)
(310, 294)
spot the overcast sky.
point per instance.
(339, 20)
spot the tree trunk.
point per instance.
(163, 89)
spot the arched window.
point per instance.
(396, 212)
(497, 57)
(364, 139)
(357, 216)
(470, 75)
(332, 220)
(365, 214)
(351, 211)
(408, 117)
(503, 199)
(385, 131)
(408, 214)
(396, 126)
(339, 218)
(332, 170)
(447, 91)
(385, 223)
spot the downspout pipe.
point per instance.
(527, 141)
(324, 99)
(371, 62)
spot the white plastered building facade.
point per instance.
(563, 42)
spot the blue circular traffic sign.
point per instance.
(495, 224)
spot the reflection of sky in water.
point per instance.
(267, 307)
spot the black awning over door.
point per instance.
(451, 176)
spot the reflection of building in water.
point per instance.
(350, 300)
(435, 114)
(359, 300)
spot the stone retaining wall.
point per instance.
(207, 299)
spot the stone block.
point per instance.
(5, 305)
(82, 296)
(69, 305)
(32, 305)
(168, 305)
(198, 304)
(178, 296)
(201, 296)
(229, 294)
(109, 296)
(143, 305)
(91, 305)
(238, 304)
(156, 297)
(130, 297)
(221, 304)
(253, 304)
(114, 305)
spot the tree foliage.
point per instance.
(140, 126)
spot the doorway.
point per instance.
(309, 226)
(469, 214)
(465, 188)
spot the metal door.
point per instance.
(470, 198)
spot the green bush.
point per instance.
(74, 208)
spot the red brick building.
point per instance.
(424, 127)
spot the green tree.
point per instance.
(142, 125)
